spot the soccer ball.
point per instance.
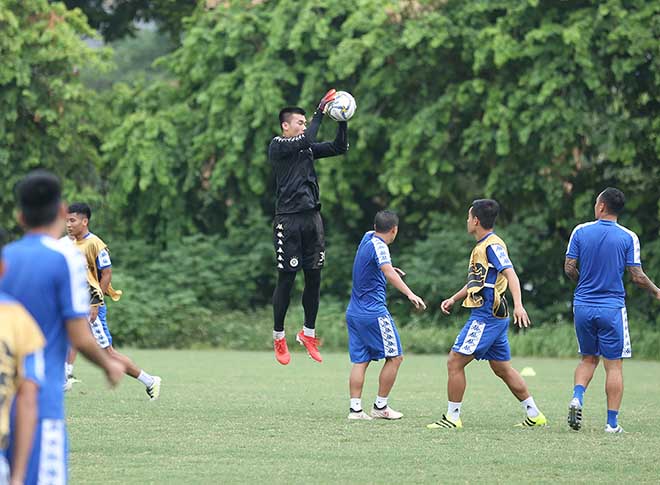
(342, 108)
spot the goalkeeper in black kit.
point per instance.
(298, 228)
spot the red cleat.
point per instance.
(311, 344)
(281, 351)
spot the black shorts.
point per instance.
(299, 241)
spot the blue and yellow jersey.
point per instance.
(21, 356)
(97, 258)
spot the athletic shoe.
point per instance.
(154, 389)
(610, 429)
(311, 344)
(70, 381)
(385, 413)
(445, 422)
(532, 422)
(359, 415)
(281, 351)
(575, 414)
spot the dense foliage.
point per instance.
(539, 104)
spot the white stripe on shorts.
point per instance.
(99, 333)
(389, 339)
(4, 469)
(52, 459)
(627, 349)
(472, 338)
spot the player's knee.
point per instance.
(590, 360)
(313, 278)
(501, 371)
(396, 360)
(453, 363)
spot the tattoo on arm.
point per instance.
(571, 269)
(642, 281)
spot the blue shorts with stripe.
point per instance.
(372, 337)
(486, 338)
(48, 461)
(100, 328)
(602, 331)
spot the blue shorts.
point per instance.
(602, 331)
(372, 337)
(47, 462)
(100, 329)
(485, 338)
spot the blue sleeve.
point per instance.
(73, 289)
(573, 250)
(498, 258)
(103, 260)
(34, 367)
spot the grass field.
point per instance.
(239, 417)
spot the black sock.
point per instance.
(311, 296)
(282, 297)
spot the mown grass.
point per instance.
(239, 417)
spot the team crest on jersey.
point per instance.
(293, 262)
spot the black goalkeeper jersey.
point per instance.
(293, 161)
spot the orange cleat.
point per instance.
(311, 344)
(281, 351)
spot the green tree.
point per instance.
(118, 19)
(47, 116)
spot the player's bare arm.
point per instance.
(396, 281)
(448, 304)
(520, 316)
(82, 339)
(106, 279)
(24, 425)
(571, 269)
(642, 281)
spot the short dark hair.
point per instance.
(3, 238)
(385, 221)
(613, 199)
(486, 210)
(285, 113)
(39, 195)
(81, 208)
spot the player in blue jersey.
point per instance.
(372, 333)
(21, 374)
(484, 336)
(47, 277)
(598, 253)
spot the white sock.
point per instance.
(145, 379)
(68, 369)
(530, 407)
(309, 332)
(381, 402)
(278, 335)
(454, 410)
(356, 404)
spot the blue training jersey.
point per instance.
(48, 278)
(603, 249)
(369, 282)
(498, 261)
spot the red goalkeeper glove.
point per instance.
(329, 96)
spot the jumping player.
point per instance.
(298, 234)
